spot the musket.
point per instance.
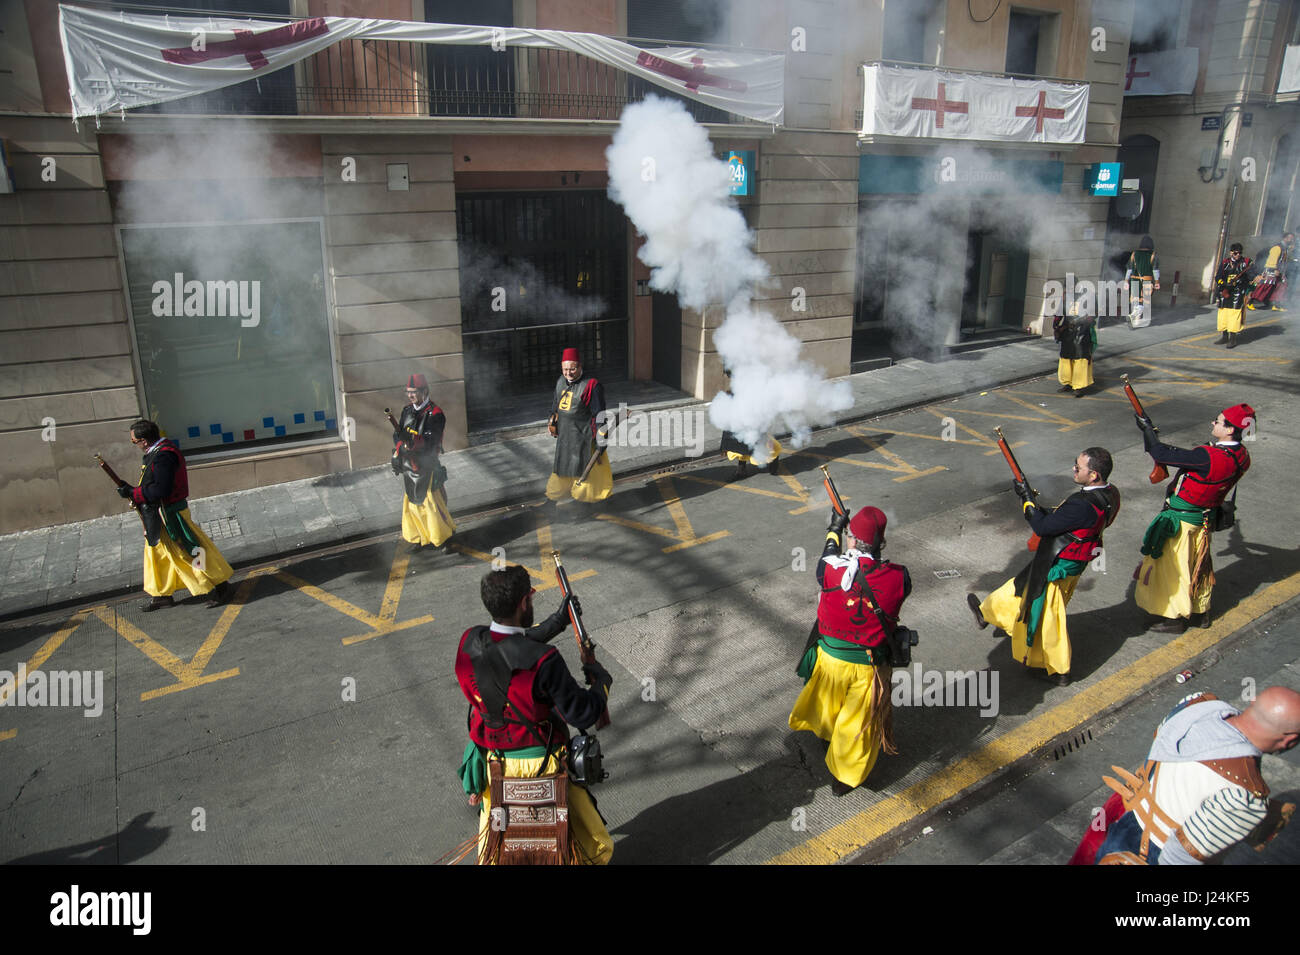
(837, 502)
(112, 476)
(1018, 474)
(403, 441)
(1158, 472)
(586, 649)
(610, 424)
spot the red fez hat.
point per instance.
(1239, 416)
(417, 382)
(868, 525)
(570, 354)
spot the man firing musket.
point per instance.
(1031, 606)
(855, 641)
(521, 767)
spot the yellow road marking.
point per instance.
(186, 673)
(684, 533)
(977, 439)
(48, 647)
(381, 625)
(545, 581)
(799, 493)
(1179, 377)
(896, 464)
(1067, 424)
(40, 656)
(894, 811)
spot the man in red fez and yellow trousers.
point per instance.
(846, 666)
(577, 416)
(1176, 576)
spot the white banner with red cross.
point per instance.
(902, 101)
(117, 61)
(1162, 74)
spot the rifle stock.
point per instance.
(1158, 471)
(586, 649)
(610, 424)
(1018, 474)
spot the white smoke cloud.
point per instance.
(677, 194)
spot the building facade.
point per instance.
(1215, 137)
(260, 267)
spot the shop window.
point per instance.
(232, 331)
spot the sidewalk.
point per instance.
(86, 560)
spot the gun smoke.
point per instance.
(676, 192)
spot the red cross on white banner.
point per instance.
(251, 45)
(1132, 72)
(940, 105)
(1040, 112)
(694, 78)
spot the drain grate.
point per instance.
(1072, 744)
(222, 528)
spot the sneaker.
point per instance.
(974, 603)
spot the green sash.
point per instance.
(1165, 525)
(840, 650)
(1059, 571)
(473, 770)
(177, 529)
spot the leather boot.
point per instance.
(1232, 340)
(1223, 339)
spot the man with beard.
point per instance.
(521, 697)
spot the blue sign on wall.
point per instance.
(1104, 178)
(741, 164)
(943, 175)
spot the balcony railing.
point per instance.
(399, 78)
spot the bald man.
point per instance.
(1201, 790)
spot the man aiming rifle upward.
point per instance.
(521, 697)
(1176, 577)
(847, 663)
(1031, 606)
